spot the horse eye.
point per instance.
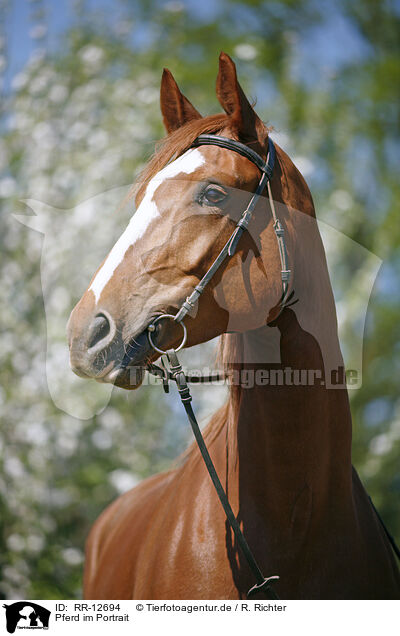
(213, 195)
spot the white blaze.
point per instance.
(146, 212)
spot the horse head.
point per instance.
(187, 205)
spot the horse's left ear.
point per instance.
(175, 107)
(235, 103)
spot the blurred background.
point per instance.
(79, 116)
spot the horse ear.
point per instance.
(175, 108)
(234, 101)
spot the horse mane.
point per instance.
(176, 143)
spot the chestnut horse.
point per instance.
(282, 449)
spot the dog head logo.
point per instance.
(26, 615)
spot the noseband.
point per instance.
(175, 372)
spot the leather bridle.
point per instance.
(169, 357)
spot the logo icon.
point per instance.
(26, 615)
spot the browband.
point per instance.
(242, 149)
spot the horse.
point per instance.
(282, 449)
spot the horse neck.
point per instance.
(289, 430)
(289, 438)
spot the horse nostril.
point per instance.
(99, 330)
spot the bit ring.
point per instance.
(152, 326)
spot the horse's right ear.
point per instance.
(175, 108)
(235, 103)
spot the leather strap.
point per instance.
(176, 373)
(391, 540)
(230, 246)
(263, 584)
(165, 374)
(242, 149)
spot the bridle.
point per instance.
(169, 357)
(230, 246)
(175, 371)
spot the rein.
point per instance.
(175, 372)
